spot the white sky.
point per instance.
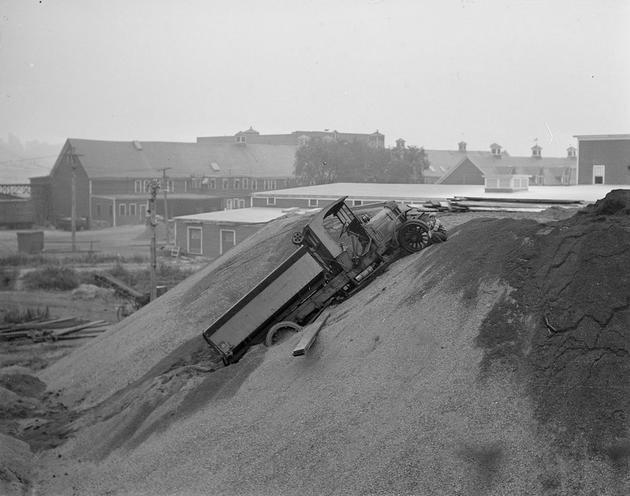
(432, 72)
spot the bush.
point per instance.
(52, 277)
(8, 277)
(120, 272)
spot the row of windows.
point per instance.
(208, 183)
(144, 185)
(314, 202)
(238, 183)
(233, 203)
(124, 210)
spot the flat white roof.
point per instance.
(252, 215)
(601, 137)
(440, 192)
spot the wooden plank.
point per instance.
(70, 330)
(310, 333)
(36, 324)
(120, 285)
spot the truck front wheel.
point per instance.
(279, 331)
(413, 236)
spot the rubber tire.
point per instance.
(413, 225)
(271, 333)
(297, 238)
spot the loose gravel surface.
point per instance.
(496, 363)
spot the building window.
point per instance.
(170, 186)
(212, 184)
(225, 184)
(228, 239)
(111, 211)
(147, 185)
(271, 200)
(357, 203)
(237, 183)
(240, 139)
(240, 203)
(137, 186)
(98, 211)
(599, 174)
(143, 211)
(228, 204)
(245, 183)
(132, 209)
(312, 202)
(195, 242)
(122, 209)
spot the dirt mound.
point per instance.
(15, 467)
(617, 202)
(136, 345)
(496, 363)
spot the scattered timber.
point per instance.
(309, 334)
(53, 330)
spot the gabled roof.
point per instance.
(111, 159)
(443, 161)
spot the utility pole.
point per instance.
(154, 189)
(164, 188)
(73, 213)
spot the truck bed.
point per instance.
(269, 297)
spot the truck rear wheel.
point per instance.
(413, 236)
(279, 331)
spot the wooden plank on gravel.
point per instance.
(70, 330)
(36, 324)
(310, 333)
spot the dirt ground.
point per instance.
(496, 363)
(126, 241)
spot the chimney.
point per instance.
(461, 146)
(536, 151)
(495, 150)
(571, 152)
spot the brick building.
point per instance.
(113, 178)
(603, 158)
(296, 138)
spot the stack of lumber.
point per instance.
(53, 330)
(481, 204)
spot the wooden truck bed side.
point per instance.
(274, 293)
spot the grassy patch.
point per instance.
(166, 275)
(26, 260)
(52, 277)
(20, 315)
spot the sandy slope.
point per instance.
(441, 377)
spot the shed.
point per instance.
(211, 234)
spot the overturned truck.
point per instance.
(338, 253)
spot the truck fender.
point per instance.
(270, 339)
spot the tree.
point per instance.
(323, 161)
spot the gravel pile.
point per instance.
(496, 363)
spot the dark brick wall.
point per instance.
(614, 154)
